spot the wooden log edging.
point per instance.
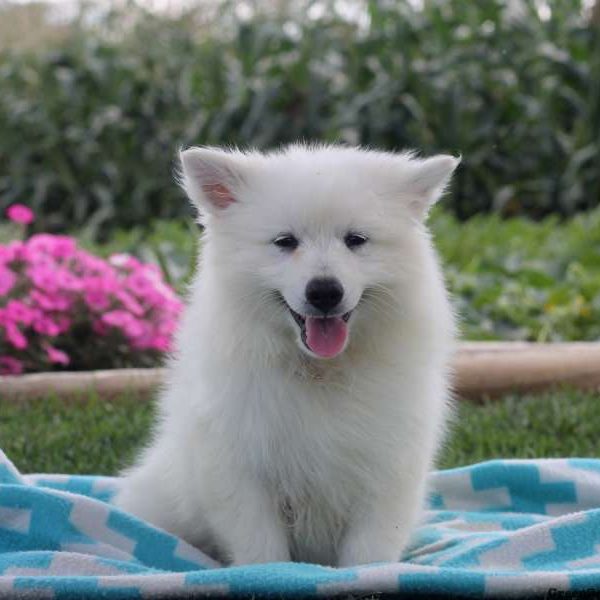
(109, 384)
(481, 369)
(495, 368)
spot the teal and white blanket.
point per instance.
(501, 528)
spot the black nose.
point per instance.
(324, 293)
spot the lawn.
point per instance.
(100, 437)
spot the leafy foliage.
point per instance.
(60, 305)
(88, 131)
(519, 280)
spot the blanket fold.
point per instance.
(500, 528)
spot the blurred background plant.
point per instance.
(91, 118)
(96, 99)
(61, 306)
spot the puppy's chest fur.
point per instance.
(316, 450)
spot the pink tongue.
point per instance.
(326, 337)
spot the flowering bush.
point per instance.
(62, 306)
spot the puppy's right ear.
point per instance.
(211, 178)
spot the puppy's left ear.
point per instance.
(427, 180)
(211, 177)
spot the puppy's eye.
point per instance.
(354, 240)
(286, 241)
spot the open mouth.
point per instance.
(324, 336)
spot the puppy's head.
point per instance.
(311, 240)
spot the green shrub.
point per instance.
(88, 131)
(519, 280)
(61, 306)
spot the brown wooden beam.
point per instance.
(496, 368)
(481, 369)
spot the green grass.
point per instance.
(101, 437)
(549, 425)
(92, 436)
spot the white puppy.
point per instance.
(308, 392)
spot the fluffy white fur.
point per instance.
(264, 452)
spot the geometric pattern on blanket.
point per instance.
(495, 529)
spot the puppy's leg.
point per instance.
(147, 492)
(381, 530)
(247, 523)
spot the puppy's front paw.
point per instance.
(367, 549)
(259, 555)
(267, 545)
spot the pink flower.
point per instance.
(160, 342)
(97, 300)
(19, 312)
(92, 265)
(48, 284)
(42, 300)
(12, 251)
(19, 213)
(130, 303)
(97, 290)
(139, 284)
(52, 301)
(46, 326)
(15, 336)
(57, 246)
(100, 328)
(63, 323)
(43, 278)
(125, 321)
(7, 280)
(124, 261)
(134, 328)
(10, 366)
(116, 318)
(67, 281)
(57, 356)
